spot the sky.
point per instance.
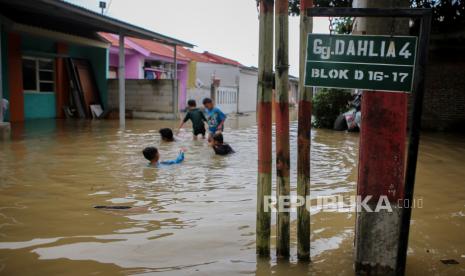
(225, 27)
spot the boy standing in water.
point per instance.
(215, 118)
(197, 118)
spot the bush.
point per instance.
(327, 105)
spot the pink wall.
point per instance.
(134, 61)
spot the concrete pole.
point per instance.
(304, 136)
(381, 161)
(175, 82)
(121, 83)
(1, 74)
(264, 123)
(282, 127)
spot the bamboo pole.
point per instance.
(282, 127)
(264, 95)
(304, 136)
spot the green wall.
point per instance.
(43, 105)
(98, 58)
(39, 105)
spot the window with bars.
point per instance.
(38, 75)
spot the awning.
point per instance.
(68, 18)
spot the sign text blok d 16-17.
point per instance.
(369, 62)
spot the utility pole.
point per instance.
(304, 137)
(264, 123)
(282, 127)
(381, 159)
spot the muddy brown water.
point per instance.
(197, 218)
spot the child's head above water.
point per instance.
(191, 104)
(151, 154)
(218, 139)
(166, 134)
(207, 103)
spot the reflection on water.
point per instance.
(198, 217)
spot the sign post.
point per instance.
(415, 84)
(384, 63)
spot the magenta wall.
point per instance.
(134, 62)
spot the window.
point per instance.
(38, 75)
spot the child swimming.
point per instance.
(166, 135)
(197, 118)
(220, 147)
(152, 154)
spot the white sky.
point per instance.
(225, 27)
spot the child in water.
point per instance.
(215, 119)
(151, 154)
(197, 118)
(166, 135)
(219, 146)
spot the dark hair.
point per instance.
(166, 134)
(191, 103)
(150, 153)
(218, 138)
(207, 100)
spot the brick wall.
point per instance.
(143, 95)
(444, 102)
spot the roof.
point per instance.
(65, 17)
(164, 50)
(113, 40)
(160, 49)
(221, 60)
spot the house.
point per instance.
(146, 59)
(150, 60)
(37, 40)
(231, 84)
(293, 91)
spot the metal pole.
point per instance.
(175, 82)
(304, 137)
(121, 83)
(264, 123)
(414, 140)
(282, 127)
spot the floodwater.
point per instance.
(197, 218)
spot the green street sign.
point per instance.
(371, 62)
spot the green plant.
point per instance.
(327, 105)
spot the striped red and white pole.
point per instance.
(282, 127)
(303, 138)
(264, 123)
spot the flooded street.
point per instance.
(197, 218)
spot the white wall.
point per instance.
(198, 94)
(228, 74)
(231, 78)
(248, 90)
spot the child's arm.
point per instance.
(186, 118)
(178, 159)
(222, 118)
